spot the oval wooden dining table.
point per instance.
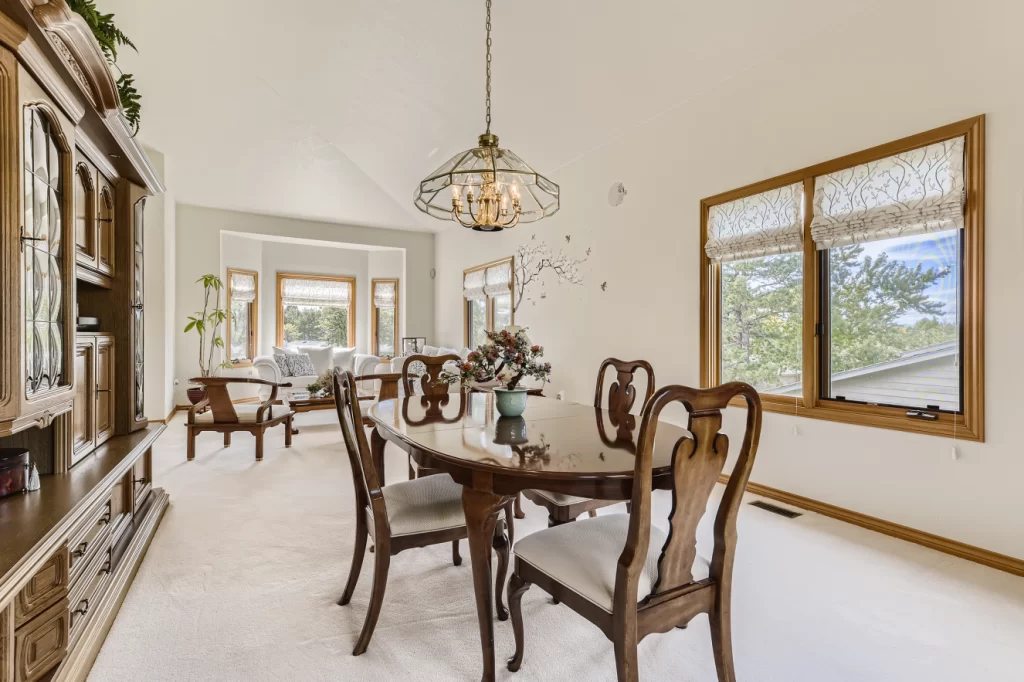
(557, 446)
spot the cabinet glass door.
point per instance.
(43, 255)
(138, 315)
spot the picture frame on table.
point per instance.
(413, 345)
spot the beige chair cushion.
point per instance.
(584, 556)
(560, 499)
(422, 505)
(246, 414)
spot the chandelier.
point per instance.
(487, 188)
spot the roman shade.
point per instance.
(915, 192)
(315, 292)
(474, 284)
(499, 279)
(765, 224)
(243, 287)
(384, 294)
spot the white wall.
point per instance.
(159, 243)
(198, 243)
(312, 260)
(919, 66)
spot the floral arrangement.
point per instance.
(507, 356)
(323, 387)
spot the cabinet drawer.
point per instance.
(41, 644)
(89, 591)
(87, 537)
(49, 584)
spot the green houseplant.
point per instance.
(206, 323)
(110, 37)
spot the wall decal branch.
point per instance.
(533, 259)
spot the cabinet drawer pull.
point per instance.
(142, 481)
(106, 567)
(105, 519)
(82, 610)
(80, 550)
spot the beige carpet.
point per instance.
(241, 580)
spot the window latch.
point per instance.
(918, 414)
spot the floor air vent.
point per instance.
(768, 506)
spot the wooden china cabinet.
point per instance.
(73, 185)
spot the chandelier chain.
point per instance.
(488, 66)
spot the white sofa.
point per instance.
(345, 358)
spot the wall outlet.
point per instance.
(560, 395)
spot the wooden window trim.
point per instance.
(511, 260)
(282, 276)
(970, 425)
(375, 342)
(253, 322)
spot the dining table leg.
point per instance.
(481, 509)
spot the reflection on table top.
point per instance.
(551, 436)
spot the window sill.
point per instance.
(893, 418)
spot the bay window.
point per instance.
(852, 290)
(315, 310)
(243, 294)
(385, 317)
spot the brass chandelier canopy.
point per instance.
(487, 188)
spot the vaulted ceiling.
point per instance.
(334, 109)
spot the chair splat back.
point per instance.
(364, 473)
(697, 462)
(622, 392)
(434, 365)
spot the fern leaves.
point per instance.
(110, 37)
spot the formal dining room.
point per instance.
(511, 341)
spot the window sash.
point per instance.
(242, 287)
(318, 291)
(385, 295)
(967, 425)
(487, 283)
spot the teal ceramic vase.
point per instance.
(510, 403)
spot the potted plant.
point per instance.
(207, 324)
(507, 357)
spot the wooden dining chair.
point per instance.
(427, 382)
(564, 508)
(217, 413)
(632, 579)
(404, 515)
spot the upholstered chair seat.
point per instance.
(422, 505)
(584, 556)
(559, 498)
(246, 413)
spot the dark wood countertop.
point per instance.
(32, 523)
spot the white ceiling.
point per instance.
(335, 109)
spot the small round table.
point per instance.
(557, 446)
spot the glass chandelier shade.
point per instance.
(487, 188)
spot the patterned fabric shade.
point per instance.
(764, 224)
(912, 193)
(243, 287)
(384, 294)
(498, 279)
(474, 285)
(316, 292)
